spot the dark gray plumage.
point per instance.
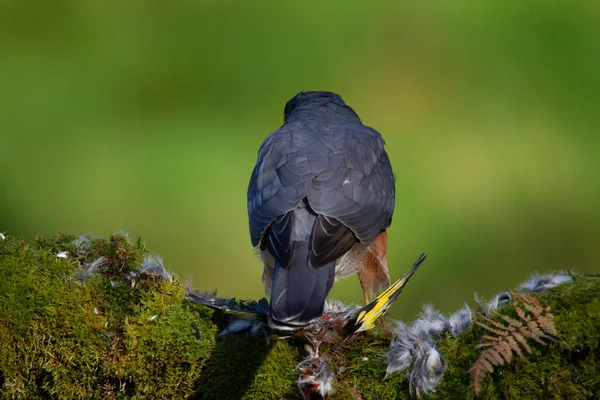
(322, 183)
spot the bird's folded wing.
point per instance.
(367, 315)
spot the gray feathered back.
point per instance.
(325, 154)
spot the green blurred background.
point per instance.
(146, 116)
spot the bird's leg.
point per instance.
(374, 271)
(362, 277)
(366, 296)
(367, 283)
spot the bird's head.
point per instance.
(309, 98)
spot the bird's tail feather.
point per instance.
(298, 292)
(371, 312)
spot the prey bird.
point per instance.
(320, 199)
(338, 323)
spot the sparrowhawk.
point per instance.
(320, 199)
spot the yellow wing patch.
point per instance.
(375, 309)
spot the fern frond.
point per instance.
(547, 325)
(510, 336)
(477, 376)
(521, 339)
(511, 321)
(514, 346)
(499, 331)
(494, 356)
(505, 350)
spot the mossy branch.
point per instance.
(70, 328)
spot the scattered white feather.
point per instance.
(2, 236)
(497, 301)
(430, 324)
(82, 245)
(90, 269)
(96, 311)
(63, 254)
(153, 265)
(255, 327)
(237, 325)
(539, 282)
(337, 307)
(403, 348)
(428, 370)
(123, 234)
(413, 346)
(258, 329)
(152, 318)
(458, 322)
(189, 288)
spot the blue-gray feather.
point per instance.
(351, 181)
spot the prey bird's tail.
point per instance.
(298, 292)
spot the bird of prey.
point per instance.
(320, 199)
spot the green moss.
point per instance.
(363, 370)
(61, 337)
(245, 367)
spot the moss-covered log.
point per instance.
(89, 324)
